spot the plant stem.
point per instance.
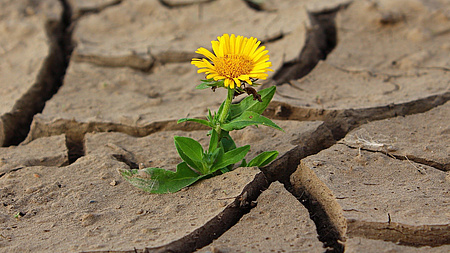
(223, 116)
(226, 107)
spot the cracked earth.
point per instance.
(91, 87)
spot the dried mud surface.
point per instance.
(92, 87)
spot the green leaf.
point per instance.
(225, 170)
(201, 121)
(248, 104)
(191, 152)
(263, 159)
(214, 141)
(248, 118)
(209, 117)
(157, 180)
(219, 112)
(208, 83)
(230, 157)
(227, 142)
(202, 86)
(243, 163)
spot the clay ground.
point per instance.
(91, 87)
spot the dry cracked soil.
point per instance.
(91, 87)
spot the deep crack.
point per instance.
(16, 124)
(320, 41)
(75, 146)
(416, 236)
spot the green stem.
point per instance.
(225, 110)
(226, 107)
(223, 116)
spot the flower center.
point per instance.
(233, 66)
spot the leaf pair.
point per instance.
(246, 113)
(206, 162)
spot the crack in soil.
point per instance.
(215, 227)
(335, 127)
(320, 41)
(416, 236)
(16, 124)
(75, 131)
(93, 10)
(171, 5)
(337, 123)
(410, 158)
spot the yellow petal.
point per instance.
(257, 52)
(225, 43)
(238, 47)
(237, 81)
(262, 59)
(232, 44)
(248, 46)
(216, 48)
(206, 53)
(202, 70)
(260, 55)
(255, 46)
(226, 83)
(219, 77)
(222, 48)
(231, 84)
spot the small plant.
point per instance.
(237, 63)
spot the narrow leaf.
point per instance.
(263, 159)
(201, 121)
(227, 142)
(248, 104)
(243, 163)
(214, 141)
(202, 86)
(208, 83)
(249, 118)
(230, 157)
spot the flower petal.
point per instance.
(232, 44)
(227, 82)
(237, 81)
(206, 53)
(216, 48)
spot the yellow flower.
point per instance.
(235, 59)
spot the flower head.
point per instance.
(235, 59)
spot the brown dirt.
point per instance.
(362, 94)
